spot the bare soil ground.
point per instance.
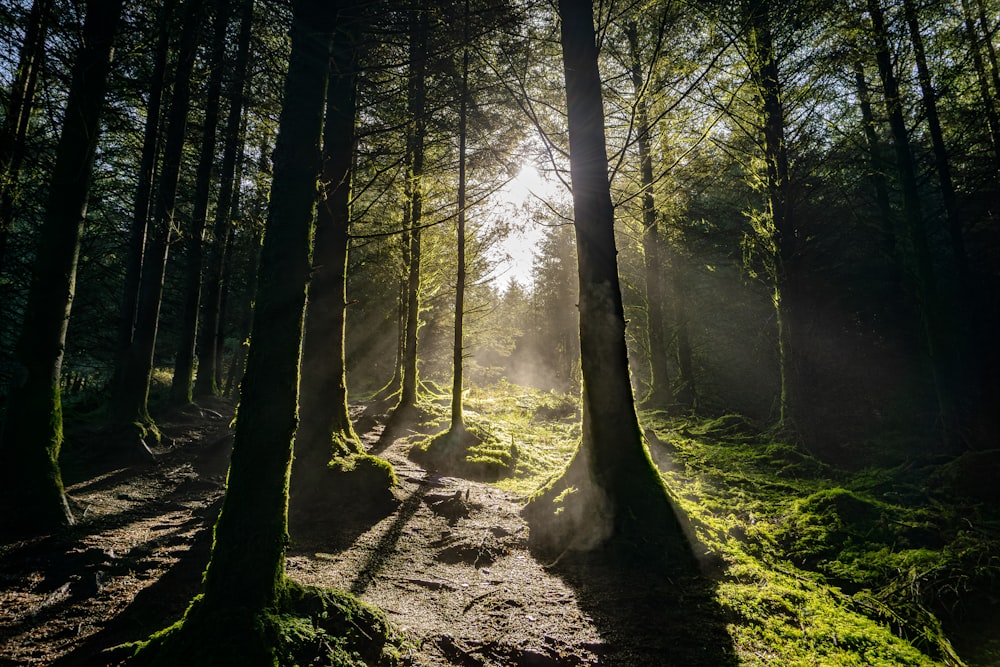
(450, 566)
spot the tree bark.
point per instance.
(457, 418)
(416, 108)
(130, 397)
(325, 429)
(208, 378)
(17, 117)
(620, 499)
(33, 497)
(181, 387)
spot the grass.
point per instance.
(813, 565)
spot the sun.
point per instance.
(530, 185)
(526, 200)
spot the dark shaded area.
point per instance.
(673, 616)
(167, 597)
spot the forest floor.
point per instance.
(449, 565)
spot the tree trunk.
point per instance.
(129, 402)
(144, 188)
(181, 387)
(779, 233)
(660, 394)
(416, 108)
(17, 117)
(457, 418)
(936, 329)
(325, 430)
(991, 52)
(238, 364)
(876, 161)
(619, 495)
(32, 491)
(208, 378)
(687, 389)
(245, 580)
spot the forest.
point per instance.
(535, 333)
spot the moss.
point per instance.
(474, 452)
(311, 626)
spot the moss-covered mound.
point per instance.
(311, 626)
(473, 452)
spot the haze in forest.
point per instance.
(619, 253)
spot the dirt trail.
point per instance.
(450, 566)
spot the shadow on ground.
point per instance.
(155, 607)
(647, 619)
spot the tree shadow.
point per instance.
(386, 545)
(154, 606)
(648, 618)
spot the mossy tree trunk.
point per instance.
(208, 380)
(181, 388)
(416, 109)
(457, 417)
(130, 392)
(325, 429)
(32, 489)
(621, 496)
(245, 579)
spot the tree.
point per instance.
(660, 394)
(776, 226)
(194, 239)
(207, 381)
(33, 495)
(144, 186)
(246, 592)
(457, 420)
(938, 334)
(611, 490)
(325, 438)
(130, 391)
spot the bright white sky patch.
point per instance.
(524, 199)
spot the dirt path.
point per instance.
(450, 566)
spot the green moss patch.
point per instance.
(311, 626)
